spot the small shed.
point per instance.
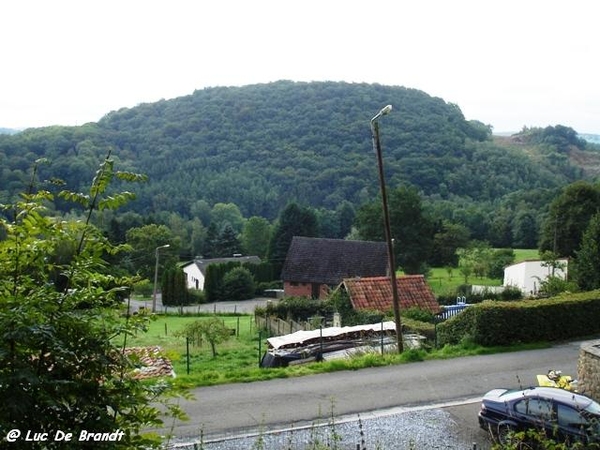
(527, 275)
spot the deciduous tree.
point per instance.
(587, 258)
(62, 364)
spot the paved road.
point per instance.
(242, 307)
(226, 410)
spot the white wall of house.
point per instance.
(527, 275)
(193, 277)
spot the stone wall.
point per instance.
(588, 370)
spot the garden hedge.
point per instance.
(492, 323)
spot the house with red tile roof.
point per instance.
(375, 293)
(315, 266)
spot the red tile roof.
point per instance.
(376, 293)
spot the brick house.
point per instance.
(376, 293)
(315, 266)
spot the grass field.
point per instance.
(445, 282)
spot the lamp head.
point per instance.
(385, 110)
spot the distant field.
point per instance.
(444, 282)
(523, 254)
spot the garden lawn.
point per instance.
(237, 358)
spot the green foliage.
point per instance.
(255, 237)
(569, 216)
(294, 220)
(540, 440)
(418, 314)
(553, 286)
(196, 296)
(214, 286)
(499, 259)
(299, 309)
(61, 360)
(238, 284)
(504, 323)
(144, 241)
(587, 258)
(174, 288)
(258, 154)
(411, 229)
(227, 243)
(145, 288)
(212, 329)
(339, 302)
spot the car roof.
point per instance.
(558, 394)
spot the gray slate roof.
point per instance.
(329, 261)
(204, 263)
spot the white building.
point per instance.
(527, 275)
(195, 271)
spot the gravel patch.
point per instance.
(424, 429)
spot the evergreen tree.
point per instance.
(293, 221)
(525, 230)
(210, 245)
(173, 287)
(227, 243)
(569, 216)
(587, 259)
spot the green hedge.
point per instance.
(504, 323)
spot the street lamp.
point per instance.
(386, 219)
(156, 275)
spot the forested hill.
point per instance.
(261, 146)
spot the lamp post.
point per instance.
(386, 220)
(156, 275)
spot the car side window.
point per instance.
(536, 407)
(570, 417)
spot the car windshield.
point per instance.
(593, 408)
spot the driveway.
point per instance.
(454, 386)
(243, 307)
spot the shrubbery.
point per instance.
(504, 323)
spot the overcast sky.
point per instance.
(506, 63)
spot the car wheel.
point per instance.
(504, 433)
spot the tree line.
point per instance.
(262, 147)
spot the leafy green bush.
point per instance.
(144, 288)
(62, 364)
(238, 284)
(196, 296)
(299, 308)
(418, 314)
(504, 323)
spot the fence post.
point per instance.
(187, 351)
(381, 337)
(259, 346)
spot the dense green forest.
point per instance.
(258, 148)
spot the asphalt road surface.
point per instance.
(455, 385)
